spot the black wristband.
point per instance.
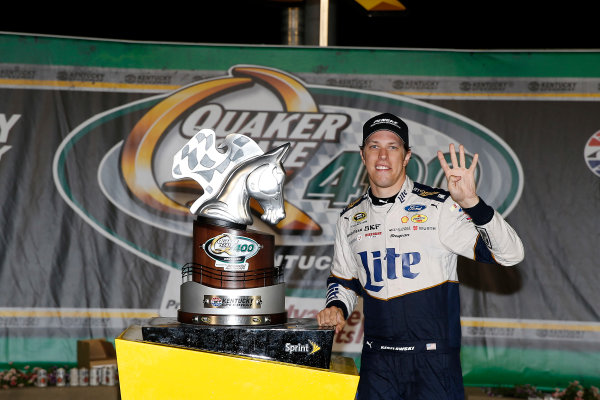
(481, 213)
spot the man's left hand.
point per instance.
(461, 180)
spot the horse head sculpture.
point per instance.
(231, 174)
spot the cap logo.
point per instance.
(384, 121)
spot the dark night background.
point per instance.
(424, 24)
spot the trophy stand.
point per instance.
(233, 302)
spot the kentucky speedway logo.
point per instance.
(114, 169)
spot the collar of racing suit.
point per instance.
(380, 201)
(407, 187)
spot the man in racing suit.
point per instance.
(397, 247)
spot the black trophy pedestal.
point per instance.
(299, 341)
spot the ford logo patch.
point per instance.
(415, 207)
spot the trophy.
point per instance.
(232, 279)
(232, 294)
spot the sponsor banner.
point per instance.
(70, 322)
(95, 230)
(571, 335)
(429, 87)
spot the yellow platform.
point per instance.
(149, 371)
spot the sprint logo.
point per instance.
(309, 348)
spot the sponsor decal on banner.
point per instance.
(553, 86)
(323, 125)
(591, 153)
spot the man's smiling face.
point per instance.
(385, 159)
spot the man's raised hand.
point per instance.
(461, 180)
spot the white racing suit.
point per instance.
(401, 258)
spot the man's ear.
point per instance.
(362, 157)
(407, 157)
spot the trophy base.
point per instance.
(205, 305)
(300, 341)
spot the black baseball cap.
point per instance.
(386, 122)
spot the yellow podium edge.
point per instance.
(153, 370)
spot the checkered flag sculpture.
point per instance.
(232, 173)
